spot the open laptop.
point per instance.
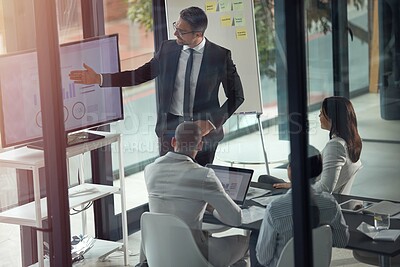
(236, 181)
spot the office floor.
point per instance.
(379, 177)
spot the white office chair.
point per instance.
(168, 242)
(345, 190)
(322, 249)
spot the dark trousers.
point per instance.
(252, 248)
(206, 155)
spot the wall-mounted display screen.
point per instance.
(85, 106)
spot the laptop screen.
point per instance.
(236, 181)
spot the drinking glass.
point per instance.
(381, 221)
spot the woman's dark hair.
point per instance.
(196, 17)
(342, 117)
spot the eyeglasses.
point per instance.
(179, 31)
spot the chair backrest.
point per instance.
(346, 188)
(322, 249)
(167, 241)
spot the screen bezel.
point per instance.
(237, 170)
(120, 88)
(5, 143)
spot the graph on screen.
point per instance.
(85, 106)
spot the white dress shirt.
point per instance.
(179, 88)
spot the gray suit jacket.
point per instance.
(177, 185)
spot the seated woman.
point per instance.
(341, 155)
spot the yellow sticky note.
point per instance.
(239, 20)
(226, 21)
(241, 34)
(238, 5)
(211, 6)
(225, 5)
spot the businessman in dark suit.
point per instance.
(186, 92)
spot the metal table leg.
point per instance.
(384, 261)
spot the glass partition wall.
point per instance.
(370, 74)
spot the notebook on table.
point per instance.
(384, 207)
(384, 235)
(236, 181)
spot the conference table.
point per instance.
(358, 241)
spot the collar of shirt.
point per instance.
(180, 156)
(199, 48)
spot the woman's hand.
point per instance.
(210, 208)
(282, 185)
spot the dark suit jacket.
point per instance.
(217, 67)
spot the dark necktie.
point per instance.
(186, 97)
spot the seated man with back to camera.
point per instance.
(277, 225)
(177, 185)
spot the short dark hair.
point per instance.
(196, 17)
(314, 161)
(188, 136)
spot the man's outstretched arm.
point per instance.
(86, 76)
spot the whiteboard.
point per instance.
(230, 25)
